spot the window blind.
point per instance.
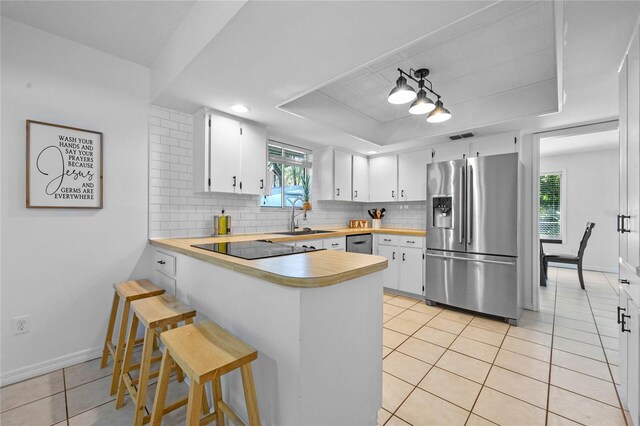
(288, 154)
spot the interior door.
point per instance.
(412, 177)
(492, 205)
(445, 185)
(390, 275)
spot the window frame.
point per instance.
(563, 202)
(306, 164)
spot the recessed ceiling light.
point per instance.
(372, 152)
(240, 108)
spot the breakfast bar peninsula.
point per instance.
(315, 318)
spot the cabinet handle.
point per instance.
(619, 312)
(410, 242)
(393, 255)
(335, 244)
(240, 184)
(261, 183)
(161, 262)
(621, 220)
(402, 193)
(623, 281)
(337, 192)
(387, 239)
(624, 323)
(234, 181)
(393, 194)
(356, 194)
(403, 259)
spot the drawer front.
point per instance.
(165, 263)
(313, 244)
(387, 240)
(417, 242)
(165, 282)
(337, 243)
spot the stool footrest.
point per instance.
(222, 406)
(211, 417)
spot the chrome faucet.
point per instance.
(292, 225)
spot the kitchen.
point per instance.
(316, 127)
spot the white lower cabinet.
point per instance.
(405, 258)
(391, 275)
(335, 243)
(165, 271)
(629, 321)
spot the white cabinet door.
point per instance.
(411, 271)
(390, 275)
(623, 338)
(503, 143)
(335, 243)
(201, 149)
(253, 158)
(360, 178)
(633, 359)
(622, 126)
(450, 151)
(633, 152)
(383, 178)
(342, 175)
(225, 154)
(412, 175)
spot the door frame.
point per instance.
(597, 127)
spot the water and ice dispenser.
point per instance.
(442, 214)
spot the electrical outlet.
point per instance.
(21, 324)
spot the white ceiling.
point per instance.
(579, 143)
(269, 53)
(132, 30)
(499, 61)
(498, 50)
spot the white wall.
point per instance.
(58, 266)
(591, 191)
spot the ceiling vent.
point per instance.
(461, 136)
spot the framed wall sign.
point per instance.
(64, 167)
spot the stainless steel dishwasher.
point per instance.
(361, 243)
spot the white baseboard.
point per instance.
(45, 367)
(586, 267)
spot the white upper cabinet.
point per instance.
(339, 174)
(455, 150)
(412, 175)
(224, 149)
(253, 158)
(360, 178)
(342, 176)
(493, 145)
(383, 178)
(225, 154)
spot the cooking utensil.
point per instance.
(371, 213)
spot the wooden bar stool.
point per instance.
(127, 291)
(205, 352)
(157, 314)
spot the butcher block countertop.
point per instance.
(307, 270)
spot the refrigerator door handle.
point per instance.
(468, 259)
(463, 184)
(469, 206)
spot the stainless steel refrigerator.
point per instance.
(473, 234)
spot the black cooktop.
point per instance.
(254, 249)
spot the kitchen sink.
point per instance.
(303, 232)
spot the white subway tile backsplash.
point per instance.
(176, 211)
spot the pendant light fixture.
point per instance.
(404, 93)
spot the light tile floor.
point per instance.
(441, 366)
(558, 367)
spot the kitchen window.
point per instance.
(288, 173)
(551, 217)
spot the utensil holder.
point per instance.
(376, 223)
